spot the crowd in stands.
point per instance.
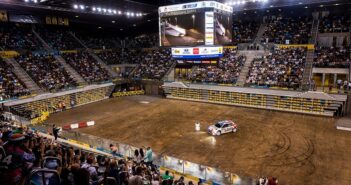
(332, 57)
(280, 29)
(335, 23)
(87, 66)
(154, 64)
(17, 37)
(244, 31)
(58, 38)
(10, 85)
(122, 56)
(100, 43)
(280, 68)
(226, 71)
(143, 41)
(28, 157)
(47, 72)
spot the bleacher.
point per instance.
(316, 103)
(54, 102)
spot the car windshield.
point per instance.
(218, 125)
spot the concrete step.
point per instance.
(250, 56)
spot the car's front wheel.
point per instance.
(218, 133)
(234, 129)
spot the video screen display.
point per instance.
(182, 30)
(223, 28)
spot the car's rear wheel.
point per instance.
(218, 133)
(234, 129)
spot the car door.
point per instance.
(226, 128)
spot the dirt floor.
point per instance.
(296, 148)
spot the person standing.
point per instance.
(55, 131)
(148, 157)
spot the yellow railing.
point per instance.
(128, 93)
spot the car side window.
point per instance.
(225, 125)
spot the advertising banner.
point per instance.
(197, 52)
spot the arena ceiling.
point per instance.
(148, 8)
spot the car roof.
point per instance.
(224, 122)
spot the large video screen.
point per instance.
(193, 24)
(182, 30)
(223, 22)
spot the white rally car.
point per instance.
(222, 127)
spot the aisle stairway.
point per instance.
(79, 79)
(169, 76)
(23, 76)
(250, 55)
(307, 73)
(260, 33)
(76, 76)
(112, 73)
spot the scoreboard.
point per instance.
(193, 24)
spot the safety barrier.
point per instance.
(78, 125)
(179, 167)
(128, 93)
(308, 46)
(8, 54)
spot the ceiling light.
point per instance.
(98, 9)
(128, 13)
(104, 10)
(99, 27)
(114, 11)
(119, 12)
(35, 1)
(94, 9)
(109, 11)
(26, 1)
(82, 7)
(75, 6)
(121, 29)
(113, 22)
(132, 14)
(77, 16)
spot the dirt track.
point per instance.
(298, 149)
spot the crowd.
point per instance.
(10, 85)
(87, 67)
(332, 57)
(244, 31)
(226, 71)
(58, 38)
(100, 43)
(295, 30)
(18, 36)
(154, 64)
(47, 72)
(122, 56)
(23, 152)
(334, 23)
(142, 41)
(281, 68)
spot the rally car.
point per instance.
(222, 127)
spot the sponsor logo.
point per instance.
(195, 51)
(205, 51)
(177, 51)
(186, 52)
(209, 37)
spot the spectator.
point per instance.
(46, 72)
(334, 24)
(167, 176)
(282, 29)
(87, 67)
(148, 157)
(137, 179)
(339, 57)
(281, 68)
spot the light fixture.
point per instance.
(75, 6)
(109, 11)
(94, 9)
(104, 10)
(132, 14)
(128, 13)
(113, 22)
(81, 7)
(119, 12)
(98, 9)
(114, 11)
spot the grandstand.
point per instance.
(146, 71)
